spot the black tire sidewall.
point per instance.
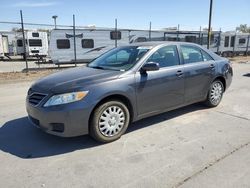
(94, 124)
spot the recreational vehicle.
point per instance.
(36, 44)
(198, 37)
(234, 44)
(90, 43)
(4, 46)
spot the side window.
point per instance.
(87, 43)
(115, 35)
(166, 56)
(206, 56)
(190, 39)
(191, 54)
(19, 42)
(35, 42)
(63, 43)
(171, 39)
(232, 41)
(242, 41)
(35, 34)
(226, 44)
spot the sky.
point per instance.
(135, 14)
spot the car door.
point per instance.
(161, 89)
(199, 70)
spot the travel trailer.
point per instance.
(198, 37)
(232, 44)
(90, 43)
(36, 44)
(4, 46)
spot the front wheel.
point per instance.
(215, 94)
(109, 121)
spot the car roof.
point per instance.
(156, 43)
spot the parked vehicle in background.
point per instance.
(36, 44)
(124, 85)
(90, 43)
(232, 44)
(4, 46)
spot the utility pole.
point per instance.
(149, 33)
(74, 33)
(209, 24)
(24, 42)
(116, 33)
(178, 30)
(55, 17)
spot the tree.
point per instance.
(243, 28)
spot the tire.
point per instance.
(215, 94)
(225, 54)
(109, 121)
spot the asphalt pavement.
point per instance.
(193, 146)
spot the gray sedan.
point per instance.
(124, 85)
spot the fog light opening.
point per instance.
(57, 127)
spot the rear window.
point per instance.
(115, 35)
(35, 34)
(87, 43)
(63, 43)
(191, 54)
(35, 42)
(205, 56)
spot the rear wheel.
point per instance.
(109, 121)
(215, 94)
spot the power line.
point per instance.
(35, 24)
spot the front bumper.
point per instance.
(66, 120)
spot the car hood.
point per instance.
(73, 79)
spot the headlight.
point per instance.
(65, 98)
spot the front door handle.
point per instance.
(179, 73)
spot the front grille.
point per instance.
(30, 91)
(36, 98)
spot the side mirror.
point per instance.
(150, 66)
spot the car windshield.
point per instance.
(120, 59)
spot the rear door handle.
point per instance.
(179, 73)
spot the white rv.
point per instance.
(4, 46)
(36, 44)
(234, 44)
(90, 43)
